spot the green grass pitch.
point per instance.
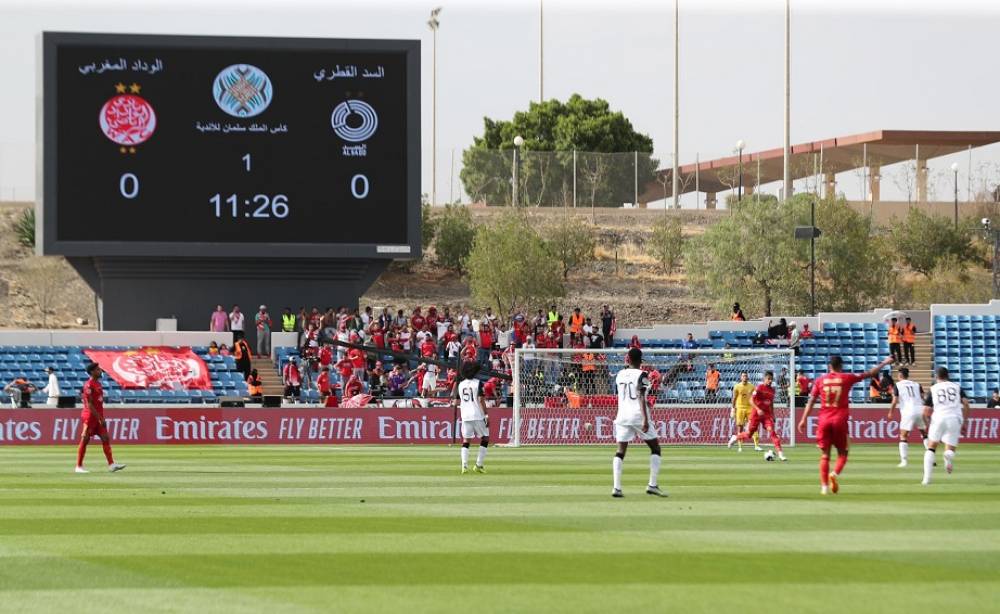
(397, 529)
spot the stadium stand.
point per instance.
(963, 338)
(967, 346)
(30, 362)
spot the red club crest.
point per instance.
(127, 119)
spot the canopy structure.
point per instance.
(826, 158)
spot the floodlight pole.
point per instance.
(675, 178)
(786, 187)
(812, 257)
(433, 24)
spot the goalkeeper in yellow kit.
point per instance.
(741, 407)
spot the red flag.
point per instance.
(165, 368)
(358, 400)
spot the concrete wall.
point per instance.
(883, 211)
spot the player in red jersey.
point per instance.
(761, 414)
(92, 417)
(834, 388)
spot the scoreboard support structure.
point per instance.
(132, 292)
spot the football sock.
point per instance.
(949, 456)
(841, 461)
(824, 470)
(776, 441)
(654, 469)
(482, 456)
(903, 450)
(616, 471)
(756, 439)
(928, 465)
(81, 451)
(465, 457)
(107, 451)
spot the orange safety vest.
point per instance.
(909, 333)
(576, 323)
(712, 380)
(255, 390)
(894, 334)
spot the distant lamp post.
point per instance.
(739, 149)
(433, 24)
(518, 143)
(954, 170)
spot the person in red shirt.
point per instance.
(378, 337)
(490, 391)
(325, 355)
(345, 367)
(323, 384)
(353, 387)
(417, 321)
(428, 349)
(469, 350)
(654, 384)
(357, 358)
(761, 414)
(834, 389)
(92, 417)
(558, 330)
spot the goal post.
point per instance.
(567, 396)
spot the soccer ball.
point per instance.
(769, 455)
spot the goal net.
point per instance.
(569, 397)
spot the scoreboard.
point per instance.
(223, 146)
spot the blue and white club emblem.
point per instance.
(242, 90)
(354, 120)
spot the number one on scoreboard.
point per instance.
(246, 161)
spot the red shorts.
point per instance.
(832, 434)
(766, 421)
(92, 425)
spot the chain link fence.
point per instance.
(555, 178)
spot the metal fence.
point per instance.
(555, 178)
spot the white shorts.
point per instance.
(945, 430)
(911, 420)
(625, 433)
(474, 428)
(430, 382)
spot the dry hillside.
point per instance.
(622, 276)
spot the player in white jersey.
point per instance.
(469, 392)
(633, 420)
(908, 396)
(950, 406)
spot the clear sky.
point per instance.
(856, 66)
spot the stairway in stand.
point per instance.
(269, 376)
(922, 370)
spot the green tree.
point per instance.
(428, 226)
(921, 241)
(666, 243)
(579, 125)
(24, 227)
(853, 263)
(510, 265)
(752, 257)
(571, 242)
(953, 281)
(455, 232)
